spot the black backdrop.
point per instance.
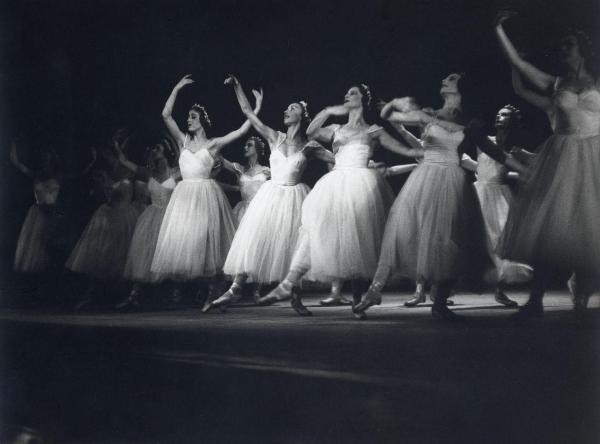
(73, 71)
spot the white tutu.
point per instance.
(102, 248)
(32, 247)
(196, 232)
(239, 210)
(343, 218)
(265, 240)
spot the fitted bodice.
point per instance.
(440, 145)
(46, 191)
(249, 185)
(121, 192)
(197, 164)
(575, 113)
(286, 170)
(160, 193)
(488, 170)
(353, 150)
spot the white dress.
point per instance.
(495, 198)
(265, 240)
(145, 236)
(198, 226)
(32, 254)
(249, 186)
(344, 215)
(102, 248)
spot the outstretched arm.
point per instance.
(218, 143)
(14, 158)
(410, 138)
(316, 131)
(391, 112)
(168, 110)
(468, 163)
(394, 145)
(396, 170)
(318, 151)
(262, 129)
(539, 78)
(537, 100)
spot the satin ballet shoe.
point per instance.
(418, 298)
(279, 293)
(370, 298)
(227, 298)
(299, 307)
(443, 313)
(501, 298)
(528, 311)
(334, 301)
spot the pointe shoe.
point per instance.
(334, 301)
(279, 293)
(370, 298)
(528, 311)
(501, 298)
(299, 307)
(229, 297)
(418, 298)
(443, 313)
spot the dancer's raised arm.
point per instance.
(394, 145)
(265, 131)
(168, 110)
(539, 101)
(14, 158)
(539, 78)
(316, 130)
(394, 112)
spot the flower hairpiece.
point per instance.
(304, 107)
(201, 109)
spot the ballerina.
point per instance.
(432, 231)
(263, 245)
(552, 223)
(198, 225)
(159, 178)
(344, 215)
(495, 198)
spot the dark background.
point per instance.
(74, 71)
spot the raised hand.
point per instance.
(258, 97)
(503, 16)
(231, 80)
(185, 80)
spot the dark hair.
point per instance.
(259, 144)
(367, 98)
(585, 45)
(204, 118)
(516, 134)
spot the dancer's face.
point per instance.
(157, 157)
(293, 114)
(353, 98)
(503, 118)
(568, 50)
(450, 84)
(193, 121)
(250, 148)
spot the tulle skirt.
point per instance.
(434, 230)
(195, 233)
(102, 249)
(265, 240)
(495, 200)
(554, 220)
(343, 219)
(239, 210)
(143, 245)
(32, 254)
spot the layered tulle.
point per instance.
(102, 249)
(32, 253)
(434, 229)
(495, 199)
(343, 219)
(196, 232)
(239, 210)
(143, 245)
(265, 240)
(554, 220)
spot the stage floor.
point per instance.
(263, 374)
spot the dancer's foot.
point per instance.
(130, 302)
(299, 307)
(501, 298)
(418, 298)
(280, 293)
(529, 311)
(231, 296)
(449, 302)
(334, 301)
(443, 313)
(370, 298)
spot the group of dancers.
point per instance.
(439, 229)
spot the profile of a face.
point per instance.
(353, 98)
(292, 114)
(450, 84)
(193, 121)
(503, 118)
(250, 148)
